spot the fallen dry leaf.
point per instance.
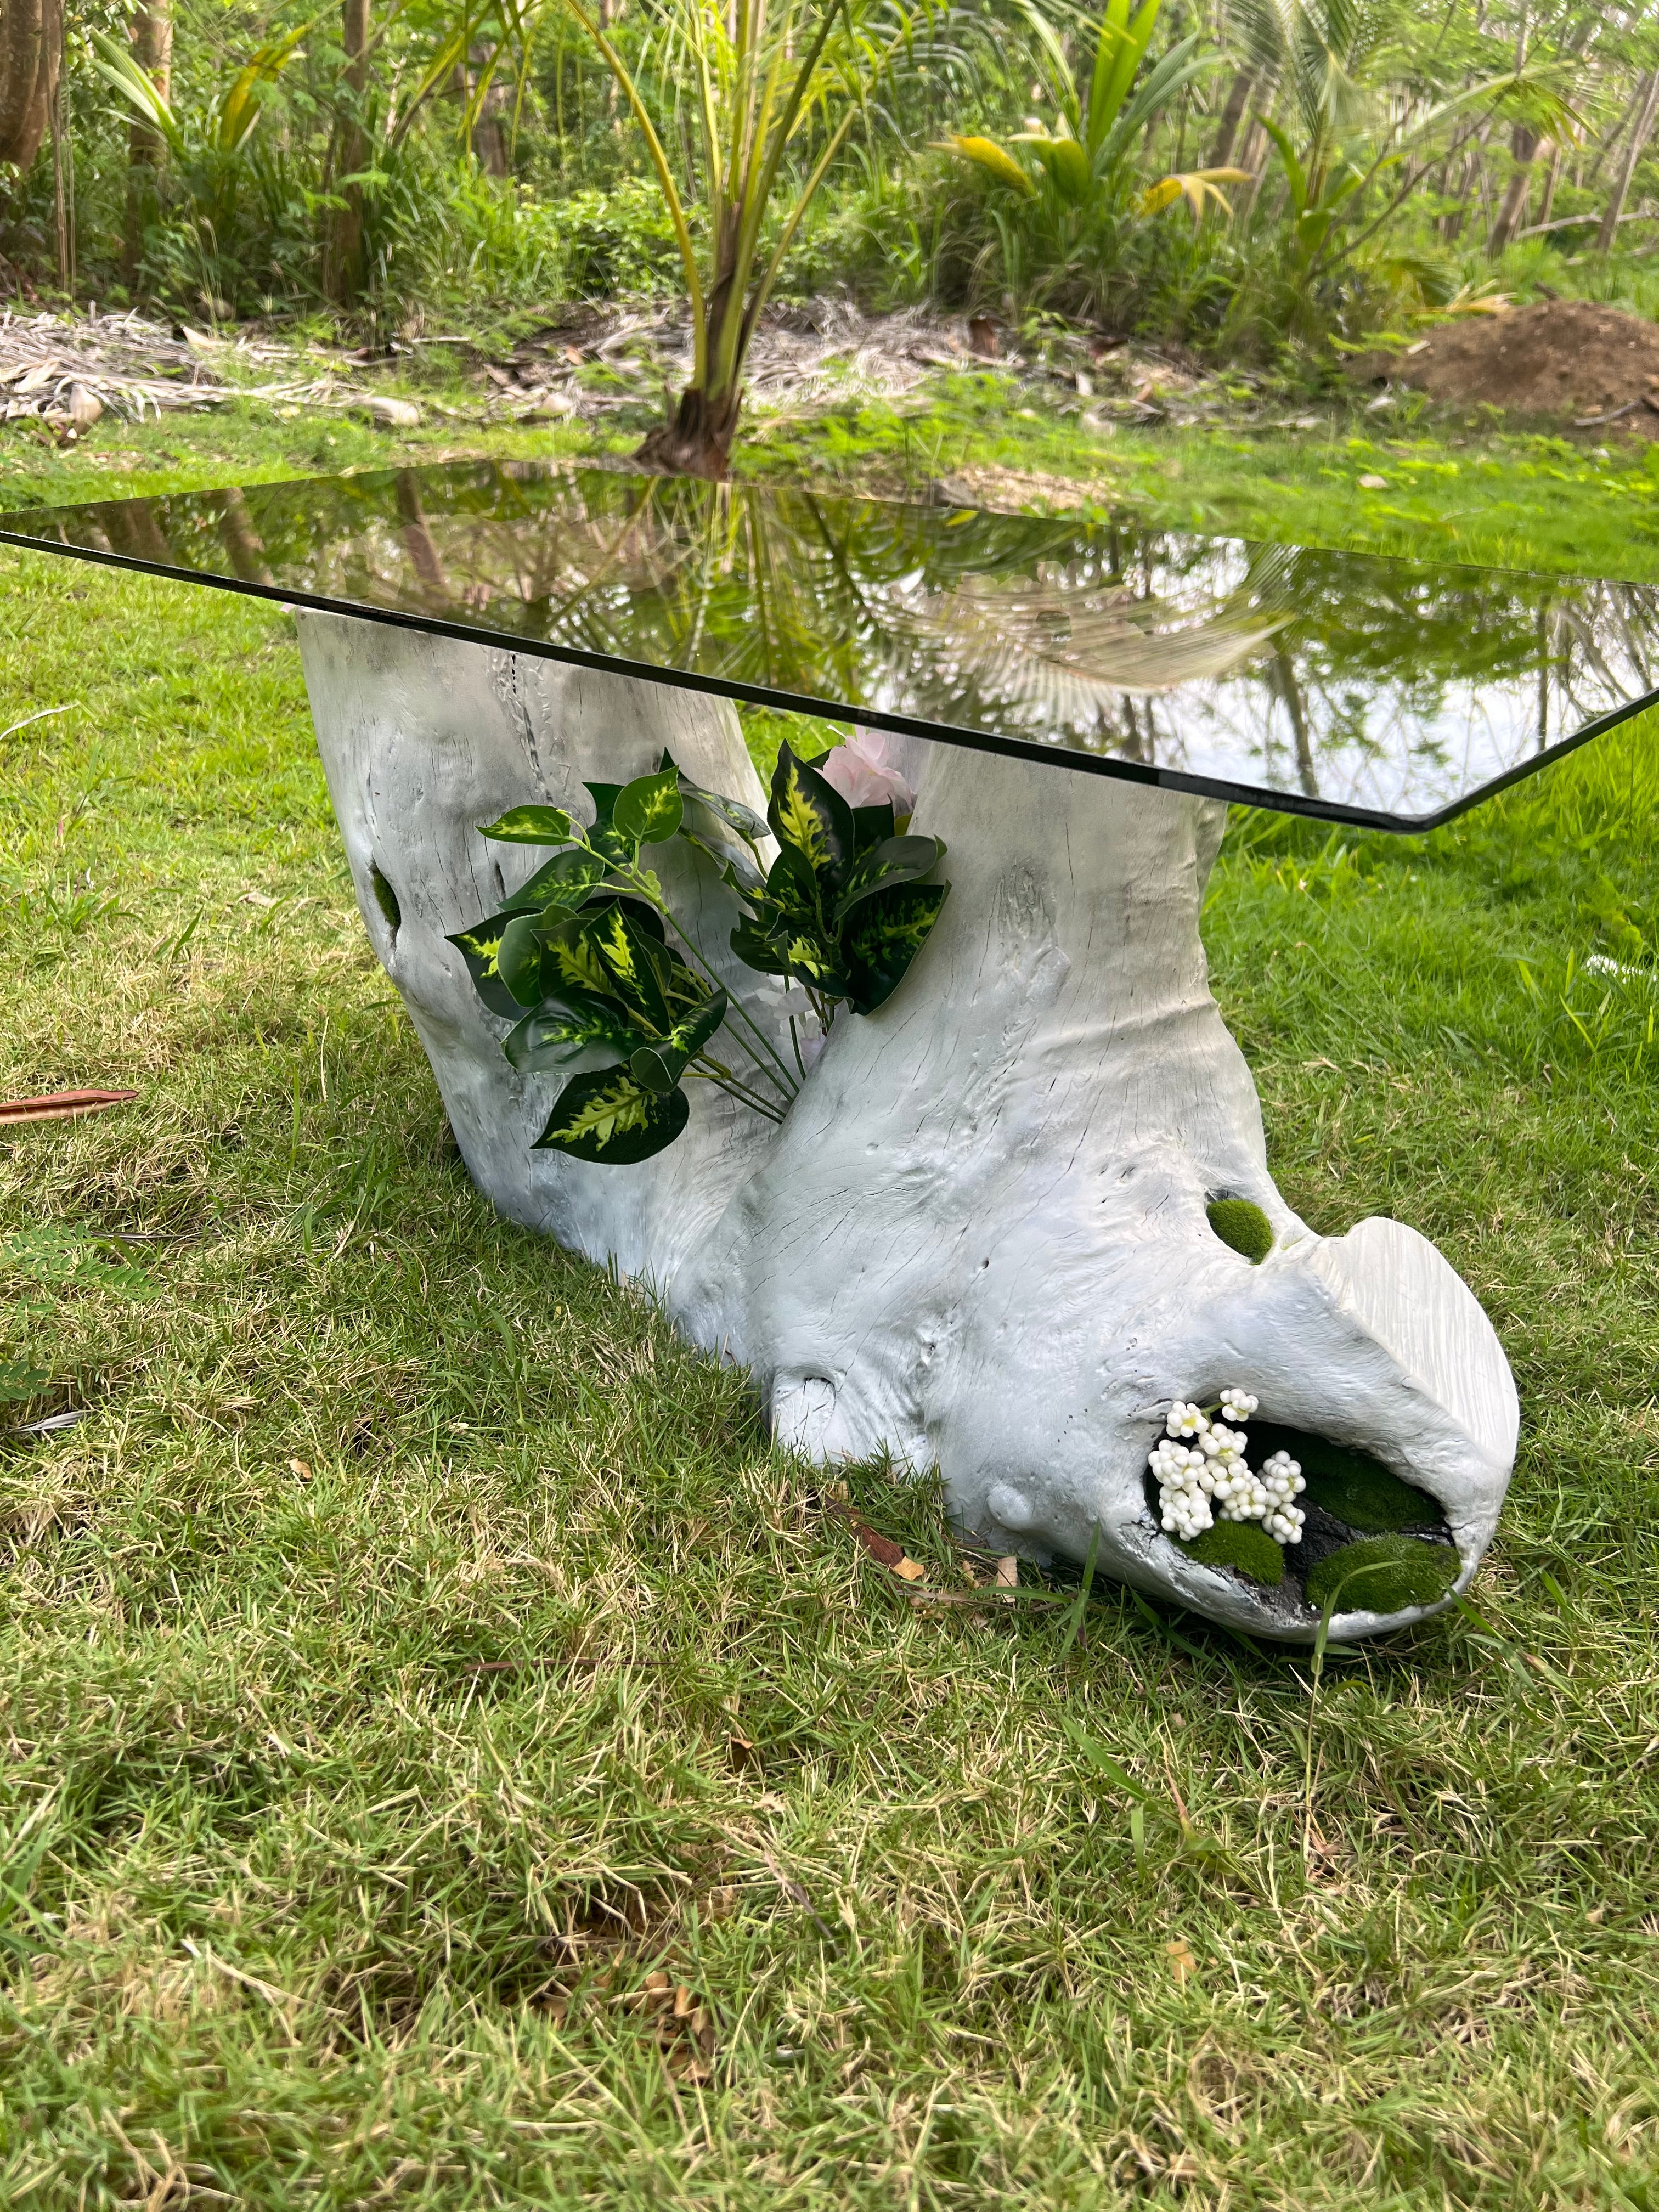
(1182, 1964)
(299, 1468)
(908, 1570)
(64, 1105)
(881, 1548)
(742, 1754)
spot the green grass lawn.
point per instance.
(414, 1651)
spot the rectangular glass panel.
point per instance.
(1346, 685)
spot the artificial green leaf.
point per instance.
(811, 960)
(895, 861)
(653, 1070)
(873, 825)
(737, 872)
(519, 959)
(650, 809)
(743, 819)
(560, 1028)
(530, 825)
(810, 817)
(641, 915)
(635, 963)
(659, 1066)
(480, 947)
(606, 836)
(756, 950)
(610, 1117)
(884, 936)
(564, 881)
(792, 888)
(570, 961)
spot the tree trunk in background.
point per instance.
(1232, 114)
(31, 51)
(152, 49)
(1524, 145)
(343, 253)
(611, 14)
(1546, 206)
(63, 190)
(1252, 157)
(490, 126)
(1598, 161)
(1634, 152)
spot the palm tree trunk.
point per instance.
(490, 125)
(698, 441)
(1634, 149)
(63, 190)
(1232, 114)
(343, 258)
(1524, 144)
(1552, 178)
(152, 49)
(31, 51)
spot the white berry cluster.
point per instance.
(1203, 1476)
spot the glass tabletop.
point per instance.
(1351, 686)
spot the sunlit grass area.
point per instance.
(418, 1669)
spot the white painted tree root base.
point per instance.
(980, 1238)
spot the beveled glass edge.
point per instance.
(757, 695)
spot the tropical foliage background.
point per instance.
(1242, 175)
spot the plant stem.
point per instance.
(733, 1087)
(634, 880)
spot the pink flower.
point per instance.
(862, 773)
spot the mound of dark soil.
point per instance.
(1561, 358)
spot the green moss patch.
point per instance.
(1241, 1544)
(1384, 1575)
(1244, 1226)
(1350, 1485)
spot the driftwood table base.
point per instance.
(982, 1239)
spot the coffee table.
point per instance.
(996, 1233)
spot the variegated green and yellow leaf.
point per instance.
(885, 936)
(609, 1117)
(564, 881)
(812, 819)
(895, 861)
(519, 959)
(530, 825)
(559, 1029)
(631, 959)
(650, 809)
(480, 947)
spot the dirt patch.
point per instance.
(1565, 359)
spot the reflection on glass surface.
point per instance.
(1335, 683)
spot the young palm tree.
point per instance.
(773, 87)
